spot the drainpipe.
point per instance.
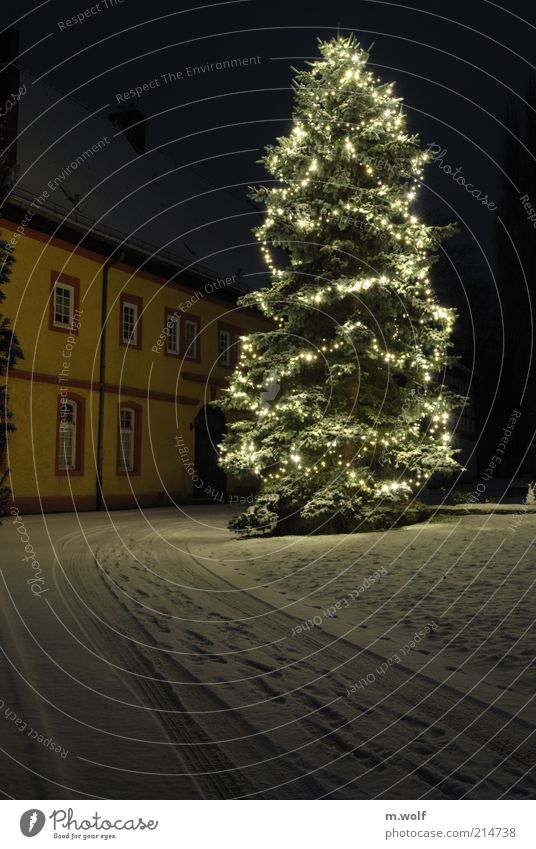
(112, 259)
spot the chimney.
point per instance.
(131, 120)
(9, 88)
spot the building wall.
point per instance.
(159, 387)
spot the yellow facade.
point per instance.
(166, 392)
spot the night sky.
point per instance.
(456, 66)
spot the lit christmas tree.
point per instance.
(360, 420)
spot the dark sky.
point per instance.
(456, 64)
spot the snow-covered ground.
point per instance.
(473, 577)
(173, 660)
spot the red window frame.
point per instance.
(80, 402)
(137, 409)
(195, 319)
(168, 313)
(136, 301)
(67, 280)
(235, 333)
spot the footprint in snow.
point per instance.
(160, 625)
(200, 638)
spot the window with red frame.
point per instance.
(191, 338)
(129, 439)
(228, 345)
(69, 456)
(130, 320)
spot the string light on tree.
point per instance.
(359, 341)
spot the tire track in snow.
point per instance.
(437, 707)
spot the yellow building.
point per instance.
(123, 297)
(126, 405)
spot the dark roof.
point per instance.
(102, 189)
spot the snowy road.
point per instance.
(166, 659)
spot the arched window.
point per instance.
(127, 426)
(67, 435)
(70, 429)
